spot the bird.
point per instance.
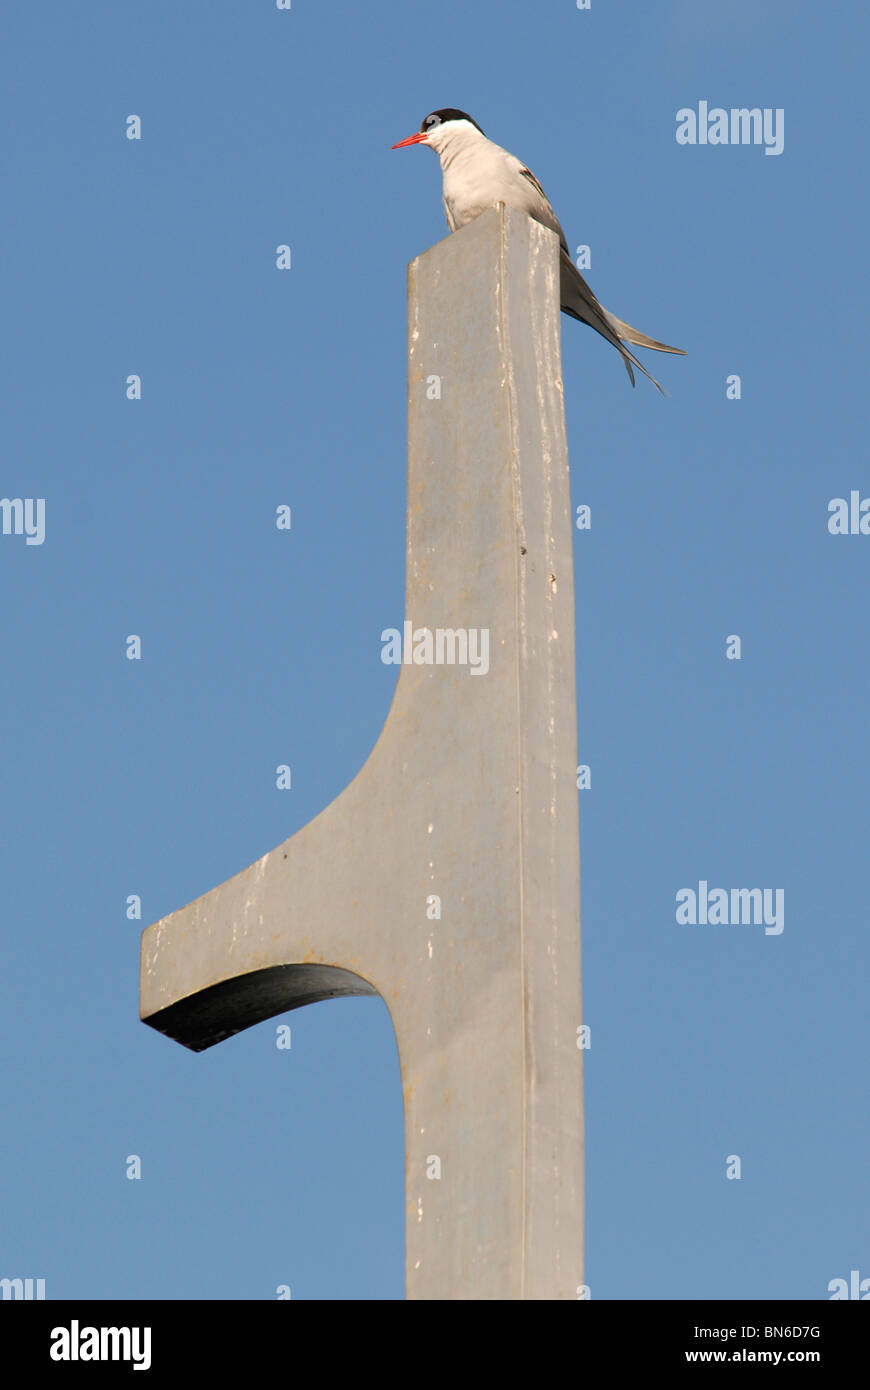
(478, 174)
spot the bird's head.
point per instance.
(441, 128)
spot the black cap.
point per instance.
(448, 113)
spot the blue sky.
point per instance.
(260, 387)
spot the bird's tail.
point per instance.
(638, 339)
(579, 301)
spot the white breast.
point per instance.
(478, 174)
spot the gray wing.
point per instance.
(578, 300)
(529, 176)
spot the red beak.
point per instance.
(411, 140)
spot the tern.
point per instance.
(478, 175)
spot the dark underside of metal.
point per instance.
(210, 1015)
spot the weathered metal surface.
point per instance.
(469, 795)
